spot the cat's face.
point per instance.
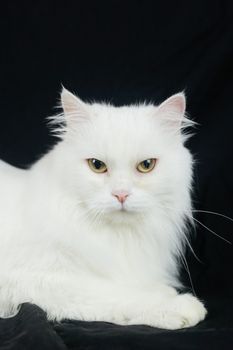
(124, 162)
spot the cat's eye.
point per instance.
(97, 165)
(146, 165)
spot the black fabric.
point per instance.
(126, 52)
(30, 330)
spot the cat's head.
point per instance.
(126, 162)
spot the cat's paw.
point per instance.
(181, 311)
(190, 308)
(164, 319)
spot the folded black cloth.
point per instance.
(30, 330)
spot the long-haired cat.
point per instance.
(95, 228)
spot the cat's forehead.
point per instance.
(123, 124)
(126, 121)
(123, 132)
(131, 112)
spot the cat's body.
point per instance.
(71, 245)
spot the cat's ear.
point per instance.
(74, 108)
(172, 110)
(74, 112)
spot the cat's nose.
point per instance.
(121, 195)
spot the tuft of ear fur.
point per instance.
(175, 103)
(72, 105)
(172, 111)
(74, 110)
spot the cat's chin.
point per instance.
(122, 216)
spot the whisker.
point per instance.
(214, 233)
(214, 213)
(96, 217)
(87, 215)
(192, 250)
(184, 261)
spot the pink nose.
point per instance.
(121, 196)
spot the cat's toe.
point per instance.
(160, 319)
(190, 308)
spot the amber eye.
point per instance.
(146, 165)
(97, 166)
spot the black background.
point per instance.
(125, 52)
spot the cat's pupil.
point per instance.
(146, 163)
(97, 163)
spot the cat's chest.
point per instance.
(111, 254)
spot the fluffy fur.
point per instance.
(66, 243)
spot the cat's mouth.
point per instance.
(123, 208)
(122, 215)
(119, 210)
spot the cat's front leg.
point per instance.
(180, 311)
(163, 308)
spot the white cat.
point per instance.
(95, 228)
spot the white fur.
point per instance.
(67, 246)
